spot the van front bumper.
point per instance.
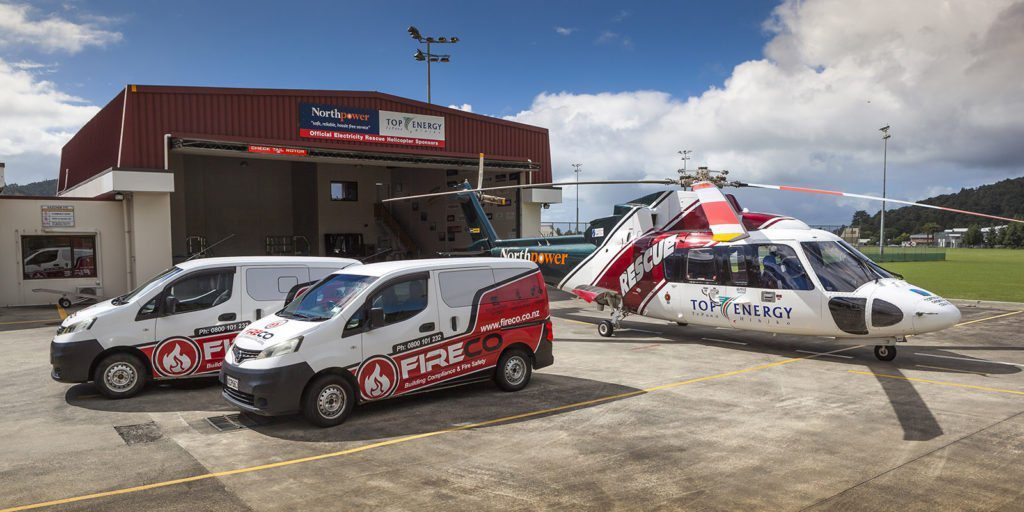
(267, 392)
(70, 362)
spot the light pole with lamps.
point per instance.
(576, 169)
(430, 57)
(885, 154)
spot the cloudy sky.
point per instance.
(790, 93)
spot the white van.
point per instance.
(390, 329)
(180, 323)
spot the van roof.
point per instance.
(390, 267)
(266, 260)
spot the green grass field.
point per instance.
(985, 274)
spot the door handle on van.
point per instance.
(226, 317)
(455, 323)
(427, 327)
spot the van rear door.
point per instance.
(266, 288)
(458, 290)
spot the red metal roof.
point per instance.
(130, 131)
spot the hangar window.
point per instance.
(58, 257)
(344, 191)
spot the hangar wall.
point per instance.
(22, 217)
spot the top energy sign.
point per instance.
(333, 122)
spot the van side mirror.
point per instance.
(170, 304)
(376, 317)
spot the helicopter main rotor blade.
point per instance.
(876, 198)
(536, 185)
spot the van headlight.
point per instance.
(280, 349)
(84, 325)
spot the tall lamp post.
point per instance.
(686, 156)
(430, 57)
(885, 155)
(576, 169)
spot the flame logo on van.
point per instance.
(176, 357)
(378, 378)
(175, 362)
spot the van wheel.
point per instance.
(328, 401)
(513, 371)
(606, 328)
(120, 376)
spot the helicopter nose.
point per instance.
(934, 314)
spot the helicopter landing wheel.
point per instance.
(681, 324)
(606, 328)
(885, 352)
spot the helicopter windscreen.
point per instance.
(840, 268)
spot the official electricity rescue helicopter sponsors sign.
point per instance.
(332, 122)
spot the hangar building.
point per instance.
(284, 172)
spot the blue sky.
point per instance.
(789, 92)
(508, 53)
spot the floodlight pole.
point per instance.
(885, 155)
(428, 72)
(577, 171)
(415, 34)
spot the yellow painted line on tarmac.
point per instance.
(60, 311)
(405, 439)
(961, 324)
(951, 369)
(940, 382)
(29, 322)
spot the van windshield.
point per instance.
(157, 281)
(327, 298)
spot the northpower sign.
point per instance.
(332, 122)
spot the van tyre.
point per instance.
(120, 375)
(885, 352)
(514, 370)
(328, 401)
(606, 328)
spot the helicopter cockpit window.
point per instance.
(701, 266)
(838, 267)
(780, 269)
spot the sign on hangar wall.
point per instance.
(333, 122)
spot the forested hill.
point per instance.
(1004, 198)
(37, 188)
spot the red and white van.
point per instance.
(377, 331)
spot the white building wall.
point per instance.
(21, 217)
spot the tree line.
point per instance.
(1004, 198)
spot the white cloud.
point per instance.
(565, 31)
(465, 107)
(606, 36)
(52, 33)
(945, 76)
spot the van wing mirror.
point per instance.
(376, 317)
(170, 304)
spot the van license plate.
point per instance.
(232, 382)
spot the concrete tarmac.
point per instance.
(659, 417)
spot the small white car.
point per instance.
(180, 323)
(382, 330)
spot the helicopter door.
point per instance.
(782, 297)
(459, 293)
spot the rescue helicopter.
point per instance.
(695, 256)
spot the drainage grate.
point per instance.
(227, 422)
(141, 433)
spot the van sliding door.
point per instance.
(459, 296)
